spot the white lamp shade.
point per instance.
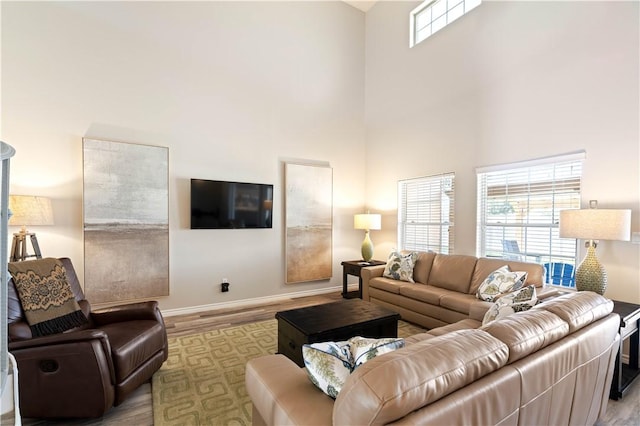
(29, 210)
(596, 224)
(367, 221)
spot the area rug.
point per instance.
(202, 382)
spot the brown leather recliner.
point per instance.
(85, 371)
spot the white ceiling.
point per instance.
(361, 4)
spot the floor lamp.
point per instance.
(592, 225)
(28, 210)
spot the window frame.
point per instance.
(539, 189)
(452, 10)
(423, 206)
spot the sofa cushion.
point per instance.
(527, 332)
(388, 284)
(465, 324)
(387, 388)
(424, 293)
(329, 364)
(578, 309)
(499, 282)
(400, 266)
(452, 271)
(517, 301)
(458, 302)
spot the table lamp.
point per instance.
(594, 224)
(28, 210)
(367, 222)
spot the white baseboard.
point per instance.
(250, 302)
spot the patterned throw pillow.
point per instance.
(517, 301)
(499, 282)
(329, 364)
(400, 267)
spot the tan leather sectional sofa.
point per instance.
(550, 365)
(445, 288)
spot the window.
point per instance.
(518, 213)
(425, 213)
(433, 15)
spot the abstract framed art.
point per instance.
(126, 220)
(309, 222)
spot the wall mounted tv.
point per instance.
(219, 204)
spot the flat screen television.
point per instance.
(217, 204)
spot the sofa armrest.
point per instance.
(65, 375)
(367, 274)
(282, 393)
(130, 312)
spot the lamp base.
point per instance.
(590, 275)
(367, 248)
(19, 247)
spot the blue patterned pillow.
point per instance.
(517, 301)
(400, 266)
(499, 282)
(329, 364)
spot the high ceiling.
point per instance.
(362, 5)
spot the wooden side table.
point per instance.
(624, 374)
(354, 267)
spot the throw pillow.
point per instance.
(400, 266)
(499, 282)
(329, 364)
(517, 301)
(46, 296)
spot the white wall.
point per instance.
(235, 88)
(232, 88)
(510, 81)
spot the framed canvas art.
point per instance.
(309, 222)
(126, 221)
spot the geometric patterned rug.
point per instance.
(202, 381)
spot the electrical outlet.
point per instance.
(224, 286)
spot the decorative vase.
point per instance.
(590, 275)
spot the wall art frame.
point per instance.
(125, 221)
(308, 222)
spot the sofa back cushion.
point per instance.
(452, 272)
(484, 266)
(387, 388)
(527, 332)
(578, 309)
(422, 269)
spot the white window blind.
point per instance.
(519, 209)
(426, 213)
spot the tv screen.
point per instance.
(219, 204)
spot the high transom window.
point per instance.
(433, 15)
(425, 213)
(519, 209)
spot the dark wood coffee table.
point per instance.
(332, 322)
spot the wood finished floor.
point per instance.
(137, 409)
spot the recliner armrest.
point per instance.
(66, 340)
(60, 339)
(65, 375)
(130, 312)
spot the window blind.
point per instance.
(519, 211)
(426, 213)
